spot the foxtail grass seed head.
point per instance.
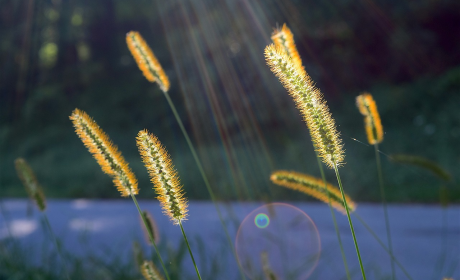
(105, 152)
(424, 163)
(310, 102)
(283, 38)
(146, 60)
(28, 179)
(152, 226)
(266, 268)
(138, 255)
(150, 272)
(368, 109)
(163, 176)
(314, 187)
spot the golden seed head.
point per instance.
(310, 102)
(368, 109)
(146, 60)
(152, 227)
(283, 38)
(105, 152)
(422, 162)
(314, 187)
(150, 272)
(163, 176)
(28, 179)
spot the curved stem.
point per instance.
(333, 218)
(382, 193)
(152, 240)
(383, 245)
(349, 221)
(47, 222)
(205, 179)
(189, 250)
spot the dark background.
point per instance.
(59, 55)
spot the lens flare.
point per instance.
(262, 220)
(284, 237)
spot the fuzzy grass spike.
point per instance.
(372, 122)
(151, 226)
(310, 102)
(28, 179)
(314, 187)
(146, 60)
(283, 38)
(150, 272)
(163, 176)
(105, 152)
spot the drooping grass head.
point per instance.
(310, 102)
(105, 152)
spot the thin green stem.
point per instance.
(384, 202)
(205, 179)
(333, 218)
(349, 221)
(152, 240)
(189, 250)
(368, 228)
(64, 263)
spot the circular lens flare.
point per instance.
(278, 240)
(262, 220)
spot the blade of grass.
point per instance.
(333, 219)
(349, 221)
(189, 250)
(150, 236)
(382, 194)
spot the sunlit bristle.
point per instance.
(151, 227)
(368, 109)
(150, 272)
(310, 102)
(163, 176)
(146, 60)
(105, 152)
(283, 38)
(28, 179)
(314, 187)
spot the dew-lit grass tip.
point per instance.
(28, 179)
(283, 38)
(163, 176)
(146, 60)
(105, 152)
(310, 102)
(372, 122)
(314, 187)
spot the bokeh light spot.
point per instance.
(288, 246)
(262, 220)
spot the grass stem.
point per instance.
(333, 218)
(205, 179)
(349, 221)
(382, 193)
(189, 250)
(152, 240)
(53, 236)
(368, 228)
